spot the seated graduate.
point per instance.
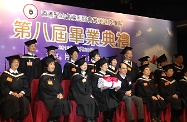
(183, 85)
(69, 67)
(147, 90)
(169, 88)
(58, 68)
(126, 94)
(105, 96)
(112, 62)
(81, 92)
(51, 92)
(14, 92)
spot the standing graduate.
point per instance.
(112, 62)
(81, 92)
(178, 67)
(51, 92)
(69, 67)
(30, 64)
(94, 57)
(107, 101)
(58, 69)
(161, 61)
(147, 90)
(169, 88)
(133, 71)
(14, 91)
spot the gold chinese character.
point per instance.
(76, 34)
(59, 33)
(108, 38)
(22, 29)
(123, 39)
(92, 37)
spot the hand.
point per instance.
(128, 93)
(60, 96)
(175, 96)
(154, 98)
(159, 97)
(117, 88)
(103, 88)
(14, 94)
(20, 95)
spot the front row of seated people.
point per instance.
(89, 94)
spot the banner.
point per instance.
(64, 26)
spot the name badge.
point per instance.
(9, 79)
(73, 70)
(166, 83)
(50, 82)
(29, 63)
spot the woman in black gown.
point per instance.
(51, 92)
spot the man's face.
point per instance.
(123, 69)
(32, 48)
(128, 55)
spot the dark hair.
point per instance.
(10, 62)
(121, 63)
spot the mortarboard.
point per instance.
(93, 53)
(161, 59)
(72, 49)
(145, 58)
(110, 58)
(48, 60)
(167, 67)
(142, 67)
(28, 43)
(80, 61)
(126, 49)
(101, 61)
(51, 48)
(9, 58)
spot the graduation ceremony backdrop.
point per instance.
(64, 26)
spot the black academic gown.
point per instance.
(13, 107)
(167, 88)
(57, 71)
(111, 71)
(31, 66)
(81, 91)
(91, 69)
(133, 71)
(107, 98)
(69, 70)
(49, 87)
(146, 89)
(183, 88)
(178, 71)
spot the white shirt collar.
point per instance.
(112, 67)
(93, 61)
(12, 71)
(83, 72)
(104, 73)
(31, 54)
(145, 77)
(123, 76)
(72, 61)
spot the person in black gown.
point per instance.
(112, 63)
(81, 91)
(51, 92)
(106, 97)
(30, 64)
(14, 91)
(69, 67)
(58, 68)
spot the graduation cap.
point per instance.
(47, 60)
(93, 53)
(72, 49)
(10, 58)
(110, 58)
(161, 59)
(126, 49)
(167, 67)
(51, 48)
(145, 58)
(28, 43)
(177, 55)
(101, 61)
(80, 61)
(142, 67)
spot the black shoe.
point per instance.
(141, 120)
